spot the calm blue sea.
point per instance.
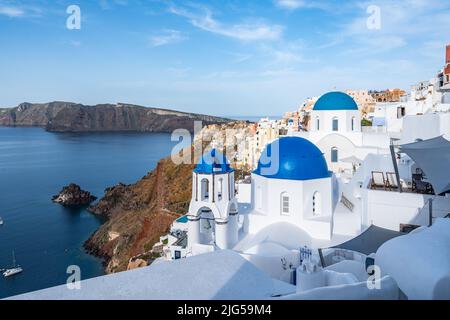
(35, 165)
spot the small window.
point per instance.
(177, 254)
(220, 189)
(284, 204)
(317, 202)
(317, 124)
(335, 124)
(400, 112)
(205, 189)
(353, 123)
(334, 155)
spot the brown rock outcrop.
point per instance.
(73, 195)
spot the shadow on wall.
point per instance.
(336, 191)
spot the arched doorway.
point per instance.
(207, 226)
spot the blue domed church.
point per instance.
(335, 112)
(292, 184)
(335, 128)
(212, 217)
(293, 189)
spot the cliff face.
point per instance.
(138, 214)
(73, 195)
(67, 116)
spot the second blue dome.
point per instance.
(213, 162)
(335, 101)
(292, 158)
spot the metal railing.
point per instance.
(347, 203)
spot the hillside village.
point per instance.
(360, 185)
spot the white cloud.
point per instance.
(20, 10)
(240, 57)
(108, 4)
(244, 31)
(286, 55)
(375, 45)
(300, 4)
(12, 12)
(409, 17)
(290, 4)
(167, 37)
(402, 23)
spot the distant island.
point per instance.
(73, 117)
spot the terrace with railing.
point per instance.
(388, 181)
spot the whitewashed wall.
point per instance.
(344, 119)
(389, 209)
(266, 203)
(425, 127)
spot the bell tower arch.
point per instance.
(212, 216)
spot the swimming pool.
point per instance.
(183, 219)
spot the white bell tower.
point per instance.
(213, 211)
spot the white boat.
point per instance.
(14, 270)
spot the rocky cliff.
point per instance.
(138, 214)
(73, 117)
(73, 195)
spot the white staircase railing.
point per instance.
(350, 206)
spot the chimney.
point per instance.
(447, 54)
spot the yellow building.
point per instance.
(365, 101)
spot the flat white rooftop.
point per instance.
(221, 275)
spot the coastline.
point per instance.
(37, 163)
(140, 213)
(60, 116)
(147, 222)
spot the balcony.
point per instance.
(387, 181)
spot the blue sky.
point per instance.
(255, 57)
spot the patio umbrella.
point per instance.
(370, 240)
(433, 157)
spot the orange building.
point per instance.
(444, 74)
(389, 95)
(447, 66)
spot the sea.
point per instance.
(46, 238)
